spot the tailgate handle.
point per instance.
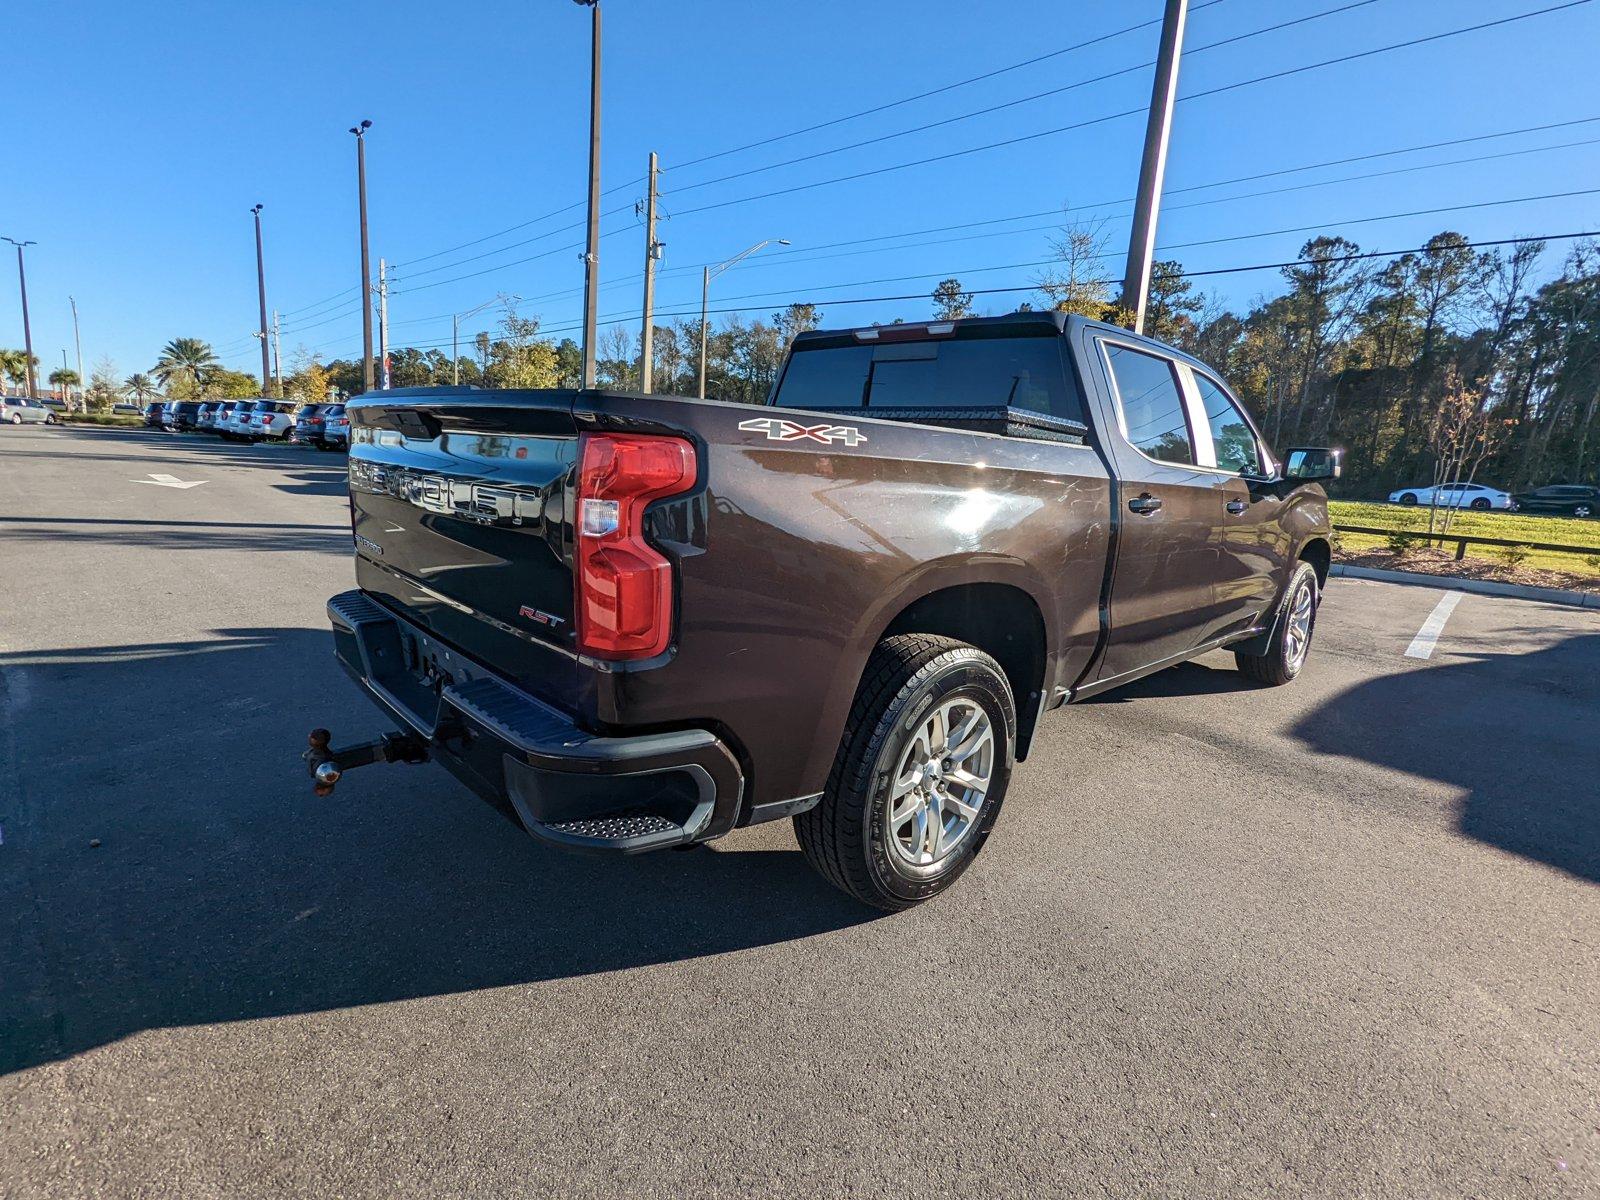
(1145, 504)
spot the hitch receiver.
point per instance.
(326, 765)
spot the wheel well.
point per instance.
(1002, 621)
(1318, 553)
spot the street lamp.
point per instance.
(455, 332)
(591, 253)
(31, 378)
(706, 276)
(366, 262)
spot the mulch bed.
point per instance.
(1426, 560)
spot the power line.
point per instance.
(1029, 137)
(782, 258)
(981, 112)
(1034, 287)
(867, 112)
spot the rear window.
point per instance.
(1015, 372)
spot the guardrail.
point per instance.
(1463, 540)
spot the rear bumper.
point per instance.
(570, 787)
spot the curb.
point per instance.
(1483, 587)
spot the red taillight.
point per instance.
(624, 584)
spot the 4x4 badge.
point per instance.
(778, 430)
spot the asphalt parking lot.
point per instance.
(1336, 939)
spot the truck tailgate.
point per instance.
(461, 510)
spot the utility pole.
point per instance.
(652, 255)
(383, 321)
(366, 263)
(66, 388)
(277, 357)
(261, 294)
(1153, 168)
(32, 380)
(77, 343)
(591, 257)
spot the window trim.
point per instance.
(1105, 343)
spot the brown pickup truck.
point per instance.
(642, 621)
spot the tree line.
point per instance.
(1448, 354)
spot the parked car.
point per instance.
(220, 412)
(309, 425)
(124, 408)
(153, 413)
(1568, 499)
(20, 410)
(181, 415)
(206, 415)
(1454, 495)
(236, 424)
(934, 533)
(335, 427)
(54, 405)
(271, 419)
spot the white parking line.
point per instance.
(1422, 645)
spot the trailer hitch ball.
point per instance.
(327, 773)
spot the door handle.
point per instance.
(1146, 503)
(1237, 506)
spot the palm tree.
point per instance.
(186, 358)
(14, 366)
(66, 379)
(140, 386)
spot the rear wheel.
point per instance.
(15, 418)
(1291, 634)
(920, 775)
(1583, 510)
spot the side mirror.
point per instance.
(1307, 464)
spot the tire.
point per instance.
(1582, 510)
(1408, 498)
(1480, 504)
(15, 418)
(1280, 664)
(910, 680)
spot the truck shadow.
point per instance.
(1515, 732)
(223, 890)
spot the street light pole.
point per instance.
(455, 332)
(366, 262)
(707, 274)
(591, 256)
(32, 376)
(261, 294)
(383, 323)
(1153, 168)
(77, 343)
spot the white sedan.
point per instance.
(1454, 495)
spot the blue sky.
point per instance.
(145, 132)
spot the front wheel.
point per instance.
(1583, 510)
(1480, 503)
(920, 775)
(1408, 498)
(1291, 633)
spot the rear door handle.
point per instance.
(1145, 504)
(1237, 506)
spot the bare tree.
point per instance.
(1461, 435)
(1078, 283)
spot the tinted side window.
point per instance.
(829, 378)
(1231, 434)
(1152, 405)
(1016, 372)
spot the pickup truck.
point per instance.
(642, 621)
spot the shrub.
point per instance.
(1514, 556)
(1398, 542)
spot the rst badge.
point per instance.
(778, 430)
